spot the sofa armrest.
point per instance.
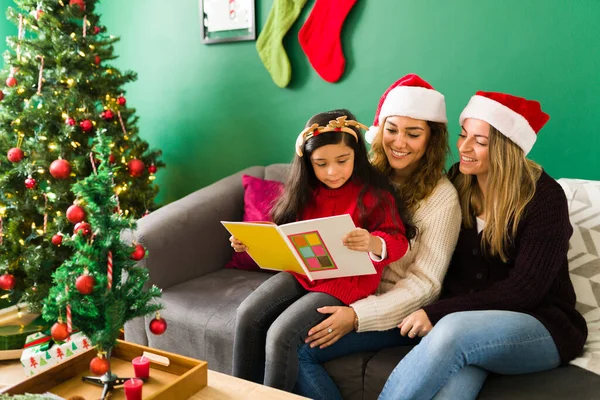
(185, 239)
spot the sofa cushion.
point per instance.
(567, 382)
(584, 262)
(348, 374)
(259, 197)
(201, 314)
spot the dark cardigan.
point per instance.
(534, 281)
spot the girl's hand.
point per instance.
(361, 240)
(416, 324)
(238, 246)
(333, 328)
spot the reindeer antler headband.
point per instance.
(340, 124)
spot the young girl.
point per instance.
(330, 175)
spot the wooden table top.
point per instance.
(220, 386)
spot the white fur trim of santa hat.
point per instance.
(413, 102)
(510, 123)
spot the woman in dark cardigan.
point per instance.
(507, 303)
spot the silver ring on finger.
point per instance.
(412, 334)
(329, 330)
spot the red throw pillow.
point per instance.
(259, 197)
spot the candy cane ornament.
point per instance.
(69, 316)
(41, 77)
(110, 270)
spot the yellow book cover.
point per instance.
(311, 247)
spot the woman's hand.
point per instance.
(238, 246)
(416, 324)
(333, 328)
(361, 240)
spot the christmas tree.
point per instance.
(58, 89)
(100, 287)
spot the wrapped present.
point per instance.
(16, 323)
(41, 352)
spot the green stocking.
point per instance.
(282, 16)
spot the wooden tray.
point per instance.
(180, 380)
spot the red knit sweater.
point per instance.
(381, 220)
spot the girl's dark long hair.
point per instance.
(302, 181)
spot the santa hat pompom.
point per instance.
(371, 133)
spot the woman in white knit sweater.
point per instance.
(410, 143)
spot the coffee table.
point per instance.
(220, 386)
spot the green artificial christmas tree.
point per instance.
(99, 287)
(58, 89)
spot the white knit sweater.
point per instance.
(416, 279)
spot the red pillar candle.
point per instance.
(141, 367)
(133, 389)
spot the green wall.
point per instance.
(214, 110)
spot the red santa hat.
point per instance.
(515, 117)
(410, 96)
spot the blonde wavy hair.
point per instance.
(430, 170)
(511, 184)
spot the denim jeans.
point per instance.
(453, 360)
(314, 381)
(271, 324)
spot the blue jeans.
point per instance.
(314, 381)
(453, 360)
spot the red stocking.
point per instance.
(320, 37)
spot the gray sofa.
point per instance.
(188, 248)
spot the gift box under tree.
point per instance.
(41, 352)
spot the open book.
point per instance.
(313, 247)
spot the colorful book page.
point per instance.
(313, 251)
(266, 245)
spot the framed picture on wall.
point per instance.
(227, 20)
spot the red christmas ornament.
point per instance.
(1, 95)
(96, 30)
(97, 60)
(57, 239)
(79, 3)
(152, 169)
(30, 183)
(99, 366)
(11, 81)
(75, 214)
(138, 253)
(111, 159)
(37, 14)
(83, 227)
(85, 284)
(107, 115)
(86, 125)
(136, 167)
(60, 169)
(59, 331)
(70, 122)
(15, 155)
(121, 100)
(158, 325)
(7, 282)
